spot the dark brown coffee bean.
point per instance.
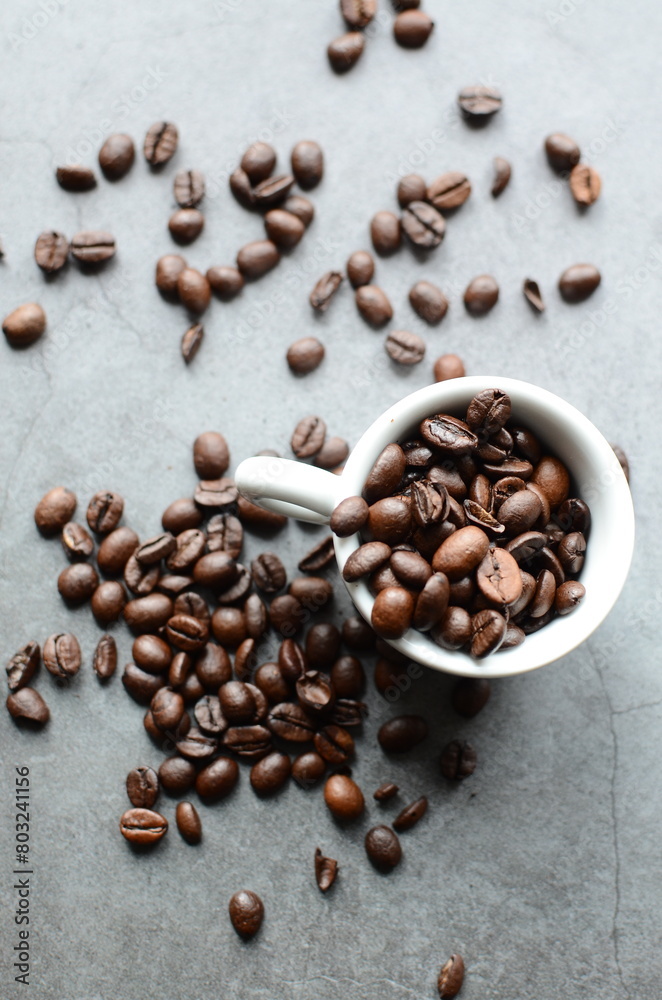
(216, 570)
(488, 411)
(423, 225)
(451, 977)
(104, 511)
(479, 102)
(283, 228)
(160, 143)
(244, 660)
(562, 152)
(190, 545)
(143, 827)
(259, 518)
(226, 282)
(255, 259)
(108, 602)
(568, 596)
(196, 746)
(332, 454)
(385, 792)
(308, 437)
(312, 592)
(142, 787)
(366, 559)
(308, 159)
(176, 775)
(461, 552)
(385, 232)
(174, 584)
(240, 186)
(385, 474)
(324, 290)
(458, 760)
(360, 268)
(373, 305)
(54, 510)
(256, 617)
(167, 708)
(251, 742)
(209, 716)
(481, 295)
(93, 247)
(326, 871)
(188, 822)
(213, 667)
(402, 733)
(410, 569)
(148, 614)
(349, 516)
(428, 301)
(51, 251)
(411, 815)
(116, 156)
(140, 685)
(412, 28)
(498, 577)
(211, 455)
(179, 670)
(585, 184)
(318, 557)
(216, 780)
(454, 629)
(308, 768)
(578, 282)
(237, 702)
(348, 677)
(258, 161)
(305, 355)
(412, 187)
(344, 52)
(76, 178)
(488, 630)
(246, 913)
(24, 325)
(322, 646)
(140, 580)
(449, 191)
(272, 191)
(515, 636)
(229, 626)
(533, 295)
(28, 704)
(343, 798)
(573, 515)
(404, 347)
(383, 848)
(23, 666)
(502, 172)
(297, 205)
(191, 342)
(448, 434)
(76, 541)
(448, 366)
(168, 269)
(155, 549)
(544, 595)
(334, 744)
(551, 475)
(432, 602)
(77, 583)
(429, 503)
(239, 589)
(526, 545)
(571, 552)
(483, 519)
(270, 681)
(186, 224)
(470, 695)
(187, 633)
(189, 188)
(271, 773)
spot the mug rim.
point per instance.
(563, 633)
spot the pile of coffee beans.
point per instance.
(411, 29)
(469, 532)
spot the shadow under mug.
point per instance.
(311, 494)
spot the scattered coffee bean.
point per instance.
(449, 191)
(308, 437)
(458, 760)
(412, 28)
(411, 815)
(385, 232)
(143, 827)
(23, 666)
(191, 342)
(240, 186)
(488, 630)
(479, 102)
(402, 733)
(24, 325)
(168, 269)
(343, 798)
(308, 159)
(246, 913)
(585, 184)
(481, 295)
(76, 178)
(318, 557)
(360, 268)
(385, 792)
(358, 13)
(383, 848)
(226, 282)
(448, 366)
(176, 775)
(428, 301)
(273, 190)
(373, 305)
(533, 295)
(28, 704)
(107, 602)
(62, 656)
(140, 685)
(344, 52)
(451, 977)
(326, 871)
(308, 768)
(283, 228)
(105, 657)
(404, 347)
(76, 541)
(194, 290)
(188, 822)
(578, 282)
(116, 156)
(271, 773)
(324, 290)
(366, 559)
(412, 187)
(189, 188)
(104, 511)
(423, 225)
(562, 152)
(93, 247)
(332, 454)
(322, 646)
(502, 172)
(255, 259)
(77, 583)
(148, 614)
(160, 143)
(216, 780)
(302, 207)
(51, 251)
(186, 224)
(142, 787)
(258, 162)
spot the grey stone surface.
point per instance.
(543, 869)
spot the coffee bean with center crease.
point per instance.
(283, 228)
(412, 28)
(454, 629)
(402, 733)
(343, 798)
(385, 232)
(246, 913)
(334, 744)
(585, 184)
(209, 715)
(573, 515)
(404, 347)
(291, 722)
(24, 325)
(54, 510)
(104, 511)
(579, 282)
(62, 656)
(411, 815)
(28, 704)
(23, 666)
(308, 437)
(76, 178)
(196, 746)
(116, 156)
(479, 102)
(142, 787)
(383, 848)
(488, 411)
(358, 13)
(93, 246)
(448, 434)
(271, 773)
(51, 251)
(143, 827)
(272, 190)
(449, 191)
(451, 977)
(105, 657)
(194, 290)
(461, 552)
(155, 549)
(77, 583)
(562, 152)
(318, 557)
(458, 760)
(186, 224)
(250, 742)
(308, 159)
(344, 52)
(349, 516)
(305, 355)
(187, 633)
(76, 541)
(502, 172)
(324, 290)
(140, 580)
(498, 577)
(360, 268)
(160, 143)
(488, 630)
(190, 546)
(481, 295)
(366, 559)
(428, 301)
(373, 304)
(189, 188)
(429, 503)
(423, 225)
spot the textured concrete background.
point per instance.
(544, 868)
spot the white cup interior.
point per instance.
(598, 479)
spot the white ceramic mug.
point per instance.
(311, 494)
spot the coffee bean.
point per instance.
(191, 342)
(458, 760)
(481, 295)
(544, 595)
(108, 602)
(209, 716)
(562, 152)
(344, 52)
(155, 549)
(312, 592)
(216, 493)
(366, 559)
(454, 629)
(283, 228)
(470, 695)
(213, 667)
(270, 774)
(140, 685)
(211, 455)
(308, 437)
(239, 589)
(326, 871)
(142, 787)
(479, 102)
(579, 282)
(258, 161)
(502, 172)
(225, 281)
(188, 822)
(411, 569)
(448, 366)
(332, 454)
(176, 775)
(23, 665)
(151, 653)
(216, 780)
(461, 552)
(24, 325)
(334, 744)
(51, 251)
(585, 184)
(451, 977)
(385, 232)
(255, 259)
(240, 186)
(105, 657)
(405, 348)
(302, 207)
(140, 580)
(488, 629)
(251, 742)
(186, 224)
(237, 702)
(423, 225)
(428, 301)
(402, 733)
(412, 187)
(568, 596)
(194, 290)
(28, 704)
(76, 178)
(148, 614)
(93, 247)
(498, 577)
(343, 797)
(432, 602)
(167, 707)
(551, 475)
(160, 143)
(373, 305)
(308, 159)
(116, 156)
(412, 28)
(104, 512)
(190, 545)
(62, 656)
(383, 848)
(189, 188)
(573, 515)
(292, 660)
(349, 516)
(386, 473)
(385, 792)
(291, 722)
(186, 632)
(246, 913)
(360, 268)
(488, 411)
(358, 13)
(143, 827)
(272, 191)
(411, 815)
(322, 645)
(389, 520)
(324, 290)
(259, 518)
(318, 557)
(76, 541)
(449, 191)
(77, 583)
(196, 746)
(571, 552)
(168, 269)
(533, 295)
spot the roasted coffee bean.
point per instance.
(258, 161)
(498, 577)
(360, 268)
(488, 630)
(140, 580)
(461, 552)
(176, 775)
(160, 143)
(237, 702)
(54, 510)
(585, 184)
(428, 301)
(105, 658)
(502, 172)
(77, 583)
(93, 246)
(423, 225)
(186, 224)
(272, 191)
(358, 13)
(301, 207)
(174, 584)
(23, 666)
(454, 629)
(449, 191)
(373, 305)
(240, 186)
(213, 667)
(551, 475)
(568, 596)
(291, 722)
(508, 467)
(140, 685)
(348, 677)
(326, 871)
(189, 188)
(515, 636)
(76, 541)
(179, 669)
(271, 773)
(24, 325)
(481, 295)
(191, 342)
(194, 290)
(313, 592)
(28, 704)
(308, 768)
(116, 156)
(190, 545)
(488, 411)
(533, 295)
(410, 568)
(448, 366)
(385, 232)
(523, 547)
(168, 269)
(225, 281)
(324, 290)
(251, 742)
(480, 491)
(270, 681)
(188, 822)
(571, 552)
(402, 733)
(155, 549)
(334, 744)
(196, 746)
(259, 518)
(216, 570)
(209, 716)
(225, 534)
(246, 913)
(482, 519)
(229, 626)
(405, 348)
(432, 602)
(385, 792)
(349, 516)
(562, 152)
(76, 178)
(187, 633)
(458, 760)
(544, 595)
(448, 434)
(366, 559)
(386, 473)
(383, 847)
(412, 28)
(167, 708)
(239, 589)
(462, 591)
(318, 557)
(211, 455)
(410, 815)
(470, 695)
(579, 282)
(216, 780)
(343, 797)
(283, 228)
(108, 602)
(308, 437)
(388, 674)
(322, 646)
(143, 827)
(381, 579)
(244, 660)
(142, 787)
(148, 614)
(503, 489)
(332, 454)
(479, 102)
(305, 355)
(412, 187)
(451, 977)
(104, 511)
(51, 251)
(344, 52)
(308, 160)
(573, 515)
(256, 617)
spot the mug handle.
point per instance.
(291, 488)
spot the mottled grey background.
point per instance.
(544, 868)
